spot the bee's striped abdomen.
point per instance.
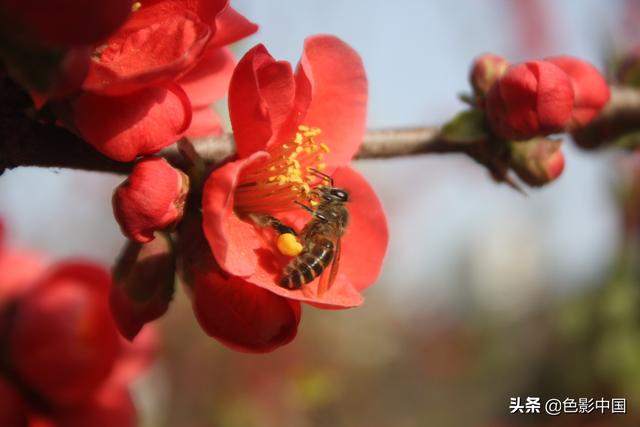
(308, 265)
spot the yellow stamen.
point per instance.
(136, 6)
(289, 245)
(286, 177)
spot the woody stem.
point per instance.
(28, 142)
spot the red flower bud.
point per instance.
(530, 99)
(63, 342)
(538, 161)
(151, 199)
(486, 69)
(590, 89)
(142, 284)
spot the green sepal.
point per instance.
(466, 127)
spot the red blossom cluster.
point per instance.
(524, 103)
(62, 361)
(145, 75)
(131, 77)
(288, 127)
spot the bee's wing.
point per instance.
(329, 274)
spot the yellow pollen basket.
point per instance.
(289, 245)
(287, 177)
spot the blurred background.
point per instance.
(485, 295)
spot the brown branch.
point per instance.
(621, 116)
(25, 142)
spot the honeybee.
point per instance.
(320, 238)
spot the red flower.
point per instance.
(63, 361)
(284, 124)
(64, 342)
(151, 199)
(164, 64)
(590, 89)
(530, 99)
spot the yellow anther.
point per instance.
(299, 149)
(324, 147)
(320, 157)
(136, 6)
(285, 146)
(306, 188)
(288, 244)
(314, 203)
(321, 166)
(272, 168)
(303, 128)
(272, 178)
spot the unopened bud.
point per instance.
(529, 100)
(151, 199)
(537, 161)
(143, 283)
(486, 69)
(590, 89)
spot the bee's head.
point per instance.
(333, 194)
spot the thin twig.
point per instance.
(25, 142)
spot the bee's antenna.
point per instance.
(321, 174)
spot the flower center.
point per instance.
(285, 178)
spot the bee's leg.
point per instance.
(269, 221)
(311, 211)
(305, 207)
(322, 175)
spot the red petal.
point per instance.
(511, 103)
(209, 80)
(64, 342)
(205, 122)
(242, 316)
(231, 26)
(591, 91)
(555, 96)
(367, 229)
(336, 76)
(125, 127)
(232, 241)
(111, 406)
(262, 96)
(155, 10)
(148, 56)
